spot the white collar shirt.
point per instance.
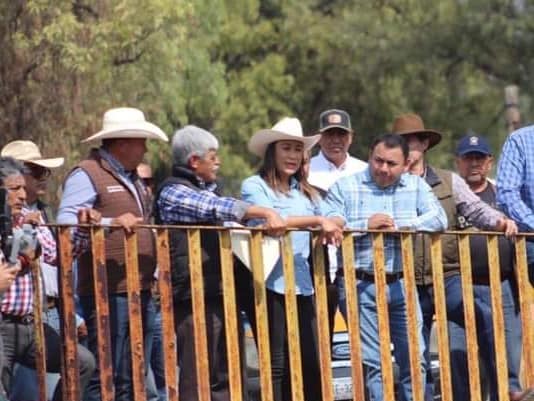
(324, 173)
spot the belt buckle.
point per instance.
(26, 319)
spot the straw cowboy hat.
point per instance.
(127, 122)
(29, 152)
(287, 129)
(408, 124)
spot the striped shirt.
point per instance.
(410, 202)
(515, 178)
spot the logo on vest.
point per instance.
(115, 188)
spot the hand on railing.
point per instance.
(508, 227)
(380, 221)
(89, 216)
(274, 224)
(127, 221)
(331, 233)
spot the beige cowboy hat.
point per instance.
(29, 152)
(287, 129)
(127, 122)
(409, 124)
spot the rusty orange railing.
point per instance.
(234, 351)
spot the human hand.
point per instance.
(381, 221)
(8, 274)
(33, 218)
(508, 226)
(331, 232)
(89, 216)
(275, 224)
(82, 331)
(127, 221)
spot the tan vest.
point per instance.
(113, 199)
(441, 184)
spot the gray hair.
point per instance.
(9, 167)
(192, 141)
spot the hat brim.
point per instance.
(322, 130)
(48, 163)
(434, 137)
(261, 139)
(144, 130)
(473, 150)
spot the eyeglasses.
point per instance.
(38, 172)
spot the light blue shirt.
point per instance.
(410, 202)
(257, 192)
(79, 192)
(515, 178)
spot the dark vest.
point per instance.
(113, 199)
(209, 243)
(441, 183)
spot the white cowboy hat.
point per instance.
(29, 152)
(127, 122)
(287, 129)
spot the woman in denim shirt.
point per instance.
(281, 184)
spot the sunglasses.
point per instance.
(38, 172)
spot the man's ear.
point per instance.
(193, 162)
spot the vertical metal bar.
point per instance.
(69, 363)
(262, 324)
(230, 317)
(167, 314)
(383, 317)
(199, 314)
(353, 318)
(40, 351)
(412, 312)
(135, 316)
(469, 316)
(323, 332)
(441, 317)
(100, 282)
(498, 316)
(292, 319)
(526, 302)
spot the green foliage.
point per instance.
(236, 66)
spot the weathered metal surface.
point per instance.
(323, 332)
(292, 319)
(527, 310)
(69, 361)
(412, 312)
(100, 282)
(167, 314)
(441, 316)
(262, 324)
(230, 317)
(498, 317)
(382, 310)
(353, 318)
(40, 351)
(135, 316)
(199, 314)
(469, 316)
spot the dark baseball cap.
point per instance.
(334, 118)
(473, 143)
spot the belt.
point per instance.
(23, 319)
(485, 280)
(390, 277)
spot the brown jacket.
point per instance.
(115, 198)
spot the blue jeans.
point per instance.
(157, 361)
(512, 330)
(120, 342)
(370, 336)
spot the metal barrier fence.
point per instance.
(69, 335)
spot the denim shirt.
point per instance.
(257, 192)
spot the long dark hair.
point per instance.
(269, 173)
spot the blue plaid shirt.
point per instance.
(515, 178)
(178, 203)
(410, 202)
